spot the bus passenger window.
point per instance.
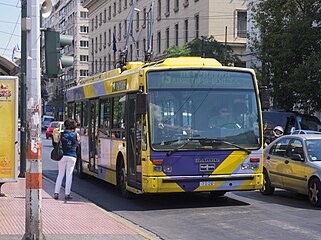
(119, 112)
(71, 110)
(85, 120)
(78, 113)
(105, 116)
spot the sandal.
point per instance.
(56, 196)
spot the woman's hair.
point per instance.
(70, 124)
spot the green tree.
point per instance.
(289, 47)
(208, 47)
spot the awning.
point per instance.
(8, 67)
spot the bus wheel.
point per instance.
(80, 173)
(267, 188)
(217, 194)
(121, 180)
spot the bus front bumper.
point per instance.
(236, 182)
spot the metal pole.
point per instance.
(33, 226)
(225, 47)
(23, 94)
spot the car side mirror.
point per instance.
(296, 157)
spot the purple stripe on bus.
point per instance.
(188, 163)
(99, 89)
(75, 94)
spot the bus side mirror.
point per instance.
(141, 102)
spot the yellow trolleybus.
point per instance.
(148, 127)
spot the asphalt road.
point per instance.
(238, 215)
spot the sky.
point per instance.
(10, 27)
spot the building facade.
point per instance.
(175, 22)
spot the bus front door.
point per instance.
(134, 166)
(93, 136)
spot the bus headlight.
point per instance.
(157, 168)
(245, 166)
(167, 168)
(250, 166)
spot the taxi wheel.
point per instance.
(315, 192)
(267, 188)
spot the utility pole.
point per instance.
(225, 46)
(23, 94)
(33, 224)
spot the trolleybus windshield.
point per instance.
(187, 104)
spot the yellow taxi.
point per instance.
(56, 133)
(293, 162)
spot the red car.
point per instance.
(51, 127)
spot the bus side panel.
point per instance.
(84, 148)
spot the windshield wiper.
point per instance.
(170, 152)
(219, 140)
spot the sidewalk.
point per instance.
(76, 219)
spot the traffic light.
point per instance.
(54, 41)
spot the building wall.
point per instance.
(173, 25)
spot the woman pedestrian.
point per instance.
(69, 140)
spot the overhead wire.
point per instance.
(12, 34)
(9, 5)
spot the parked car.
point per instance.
(51, 127)
(56, 133)
(293, 162)
(45, 124)
(48, 118)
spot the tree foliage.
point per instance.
(58, 100)
(289, 47)
(208, 47)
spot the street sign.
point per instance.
(8, 129)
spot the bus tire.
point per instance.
(267, 188)
(121, 179)
(216, 194)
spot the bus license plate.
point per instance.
(207, 184)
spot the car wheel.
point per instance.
(216, 194)
(267, 188)
(314, 190)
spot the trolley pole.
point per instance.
(33, 224)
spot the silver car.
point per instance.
(293, 162)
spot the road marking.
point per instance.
(310, 234)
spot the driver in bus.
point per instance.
(223, 119)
